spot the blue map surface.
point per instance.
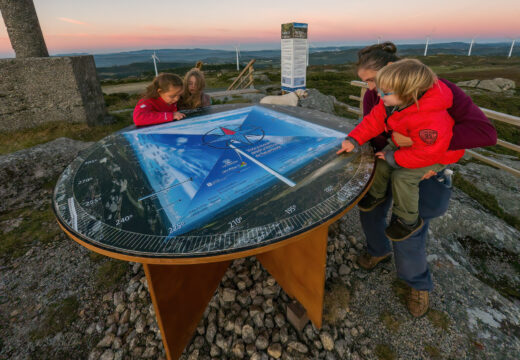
(198, 168)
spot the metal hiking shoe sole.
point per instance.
(399, 231)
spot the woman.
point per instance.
(472, 129)
(194, 96)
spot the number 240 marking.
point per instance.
(123, 220)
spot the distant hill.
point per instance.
(139, 63)
(318, 56)
(180, 55)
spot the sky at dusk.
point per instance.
(97, 26)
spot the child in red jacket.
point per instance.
(159, 103)
(414, 103)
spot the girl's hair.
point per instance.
(408, 79)
(375, 57)
(193, 100)
(163, 81)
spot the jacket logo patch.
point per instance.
(428, 136)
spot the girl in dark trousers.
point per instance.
(472, 129)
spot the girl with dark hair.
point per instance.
(159, 102)
(471, 129)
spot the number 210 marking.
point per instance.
(235, 222)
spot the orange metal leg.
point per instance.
(299, 268)
(180, 294)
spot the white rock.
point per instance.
(344, 270)
(470, 83)
(149, 352)
(214, 351)
(298, 346)
(94, 354)
(119, 298)
(248, 334)
(327, 341)
(489, 85)
(140, 324)
(229, 295)
(107, 355)
(261, 342)
(238, 350)
(505, 84)
(275, 350)
(106, 341)
(210, 332)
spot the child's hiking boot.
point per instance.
(368, 262)
(417, 302)
(369, 203)
(398, 230)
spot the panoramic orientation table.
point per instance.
(185, 198)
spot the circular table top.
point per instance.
(224, 180)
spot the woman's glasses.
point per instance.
(383, 94)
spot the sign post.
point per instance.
(294, 56)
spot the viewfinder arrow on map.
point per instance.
(263, 166)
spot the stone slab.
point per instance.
(34, 91)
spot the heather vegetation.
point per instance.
(328, 79)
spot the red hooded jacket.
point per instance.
(428, 124)
(153, 111)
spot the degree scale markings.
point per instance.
(278, 184)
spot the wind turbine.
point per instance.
(428, 39)
(427, 43)
(237, 50)
(471, 46)
(155, 59)
(511, 49)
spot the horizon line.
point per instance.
(273, 46)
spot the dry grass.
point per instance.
(22, 139)
(337, 299)
(35, 225)
(439, 319)
(384, 352)
(391, 322)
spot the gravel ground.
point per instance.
(60, 301)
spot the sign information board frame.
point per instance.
(294, 45)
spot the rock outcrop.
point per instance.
(495, 85)
(25, 172)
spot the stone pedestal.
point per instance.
(38, 90)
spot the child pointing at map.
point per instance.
(159, 103)
(414, 103)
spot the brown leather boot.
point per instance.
(417, 302)
(368, 262)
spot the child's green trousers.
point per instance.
(405, 188)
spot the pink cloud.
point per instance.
(72, 21)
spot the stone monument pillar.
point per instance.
(37, 89)
(23, 28)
